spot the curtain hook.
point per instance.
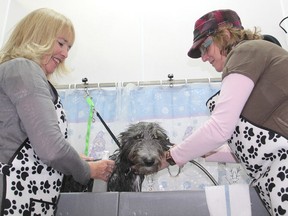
(85, 80)
(170, 76)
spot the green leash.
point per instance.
(90, 120)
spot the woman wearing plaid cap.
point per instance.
(251, 111)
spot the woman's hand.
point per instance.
(101, 169)
(164, 163)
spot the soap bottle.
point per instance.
(98, 184)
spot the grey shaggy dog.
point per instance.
(142, 146)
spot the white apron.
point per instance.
(263, 153)
(30, 187)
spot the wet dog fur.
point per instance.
(142, 147)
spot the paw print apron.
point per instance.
(30, 186)
(264, 155)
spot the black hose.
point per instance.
(205, 171)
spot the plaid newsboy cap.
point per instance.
(208, 24)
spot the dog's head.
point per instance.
(143, 146)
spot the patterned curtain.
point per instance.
(179, 109)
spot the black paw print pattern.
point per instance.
(263, 197)
(57, 185)
(260, 189)
(46, 207)
(244, 159)
(253, 168)
(50, 170)
(269, 156)
(270, 184)
(273, 136)
(37, 168)
(33, 206)
(17, 187)
(28, 178)
(266, 174)
(58, 105)
(54, 200)
(66, 133)
(23, 173)
(45, 186)
(249, 133)
(63, 117)
(256, 147)
(211, 106)
(211, 102)
(282, 153)
(236, 131)
(261, 139)
(32, 187)
(23, 156)
(6, 169)
(9, 207)
(35, 156)
(24, 209)
(279, 211)
(283, 173)
(283, 193)
(252, 152)
(239, 146)
(237, 155)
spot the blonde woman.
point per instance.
(34, 152)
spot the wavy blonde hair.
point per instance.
(34, 36)
(237, 35)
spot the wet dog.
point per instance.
(142, 147)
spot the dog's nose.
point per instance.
(149, 162)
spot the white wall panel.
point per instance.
(140, 40)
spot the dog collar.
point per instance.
(169, 158)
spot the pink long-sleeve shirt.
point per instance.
(235, 91)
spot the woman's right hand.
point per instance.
(101, 169)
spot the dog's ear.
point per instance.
(161, 135)
(167, 144)
(124, 138)
(165, 141)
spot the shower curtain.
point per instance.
(179, 109)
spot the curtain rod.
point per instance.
(138, 83)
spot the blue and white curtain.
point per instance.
(179, 109)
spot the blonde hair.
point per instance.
(34, 36)
(237, 35)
